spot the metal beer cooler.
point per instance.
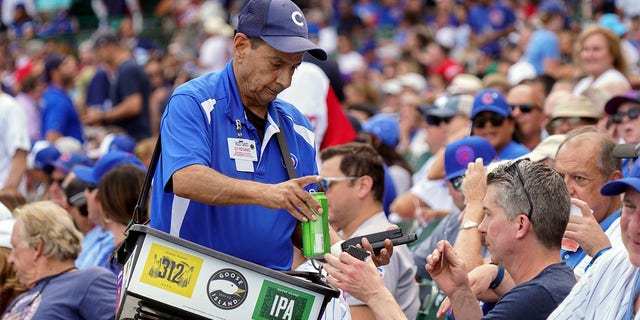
(165, 277)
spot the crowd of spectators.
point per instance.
(554, 81)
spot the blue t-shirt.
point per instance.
(542, 45)
(131, 79)
(59, 114)
(483, 20)
(98, 90)
(79, 294)
(537, 298)
(200, 117)
(97, 246)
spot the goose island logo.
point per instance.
(227, 289)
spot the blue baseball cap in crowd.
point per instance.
(620, 186)
(490, 100)
(281, 24)
(68, 160)
(92, 175)
(385, 127)
(612, 22)
(611, 107)
(552, 6)
(44, 158)
(463, 151)
(113, 142)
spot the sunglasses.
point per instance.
(326, 182)
(456, 182)
(480, 122)
(524, 108)
(58, 181)
(526, 193)
(633, 114)
(571, 121)
(437, 121)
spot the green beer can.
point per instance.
(315, 234)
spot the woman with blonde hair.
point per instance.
(601, 57)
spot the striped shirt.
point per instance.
(604, 292)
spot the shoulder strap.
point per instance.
(143, 196)
(284, 149)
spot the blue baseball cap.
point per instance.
(113, 142)
(68, 160)
(44, 158)
(552, 6)
(281, 24)
(490, 100)
(612, 22)
(463, 151)
(385, 127)
(620, 186)
(92, 175)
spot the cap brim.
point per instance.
(455, 174)
(441, 112)
(493, 109)
(625, 150)
(85, 174)
(293, 44)
(620, 186)
(614, 103)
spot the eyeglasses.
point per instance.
(456, 182)
(571, 121)
(480, 122)
(633, 114)
(515, 164)
(524, 108)
(437, 121)
(327, 181)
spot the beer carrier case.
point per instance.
(165, 277)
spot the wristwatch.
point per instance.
(468, 224)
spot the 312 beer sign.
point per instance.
(172, 270)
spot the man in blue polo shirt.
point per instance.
(59, 116)
(221, 180)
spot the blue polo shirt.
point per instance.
(512, 150)
(59, 114)
(200, 116)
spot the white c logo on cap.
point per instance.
(295, 15)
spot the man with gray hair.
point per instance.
(526, 211)
(45, 244)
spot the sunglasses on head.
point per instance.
(437, 121)
(456, 182)
(496, 121)
(524, 108)
(633, 114)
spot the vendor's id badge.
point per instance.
(244, 152)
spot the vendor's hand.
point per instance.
(586, 230)
(359, 278)
(291, 196)
(448, 270)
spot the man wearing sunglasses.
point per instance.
(624, 112)
(526, 110)
(354, 179)
(492, 119)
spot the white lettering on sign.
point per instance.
(282, 304)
